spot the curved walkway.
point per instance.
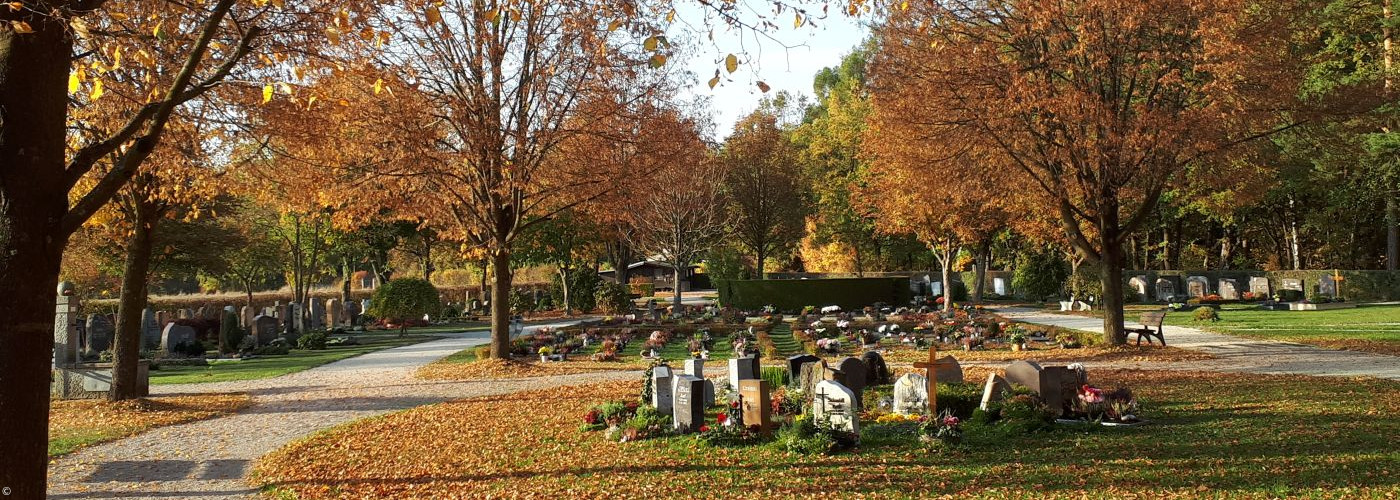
(212, 458)
(1237, 354)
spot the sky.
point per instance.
(787, 63)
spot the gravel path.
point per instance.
(212, 458)
(1235, 354)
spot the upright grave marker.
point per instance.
(935, 368)
(756, 405)
(836, 403)
(688, 409)
(661, 389)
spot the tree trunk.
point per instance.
(564, 285)
(347, 274)
(126, 348)
(1111, 277)
(758, 265)
(947, 265)
(676, 306)
(428, 259)
(500, 304)
(34, 71)
(984, 255)
(1392, 233)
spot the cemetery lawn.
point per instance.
(1365, 328)
(1213, 434)
(74, 424)
(277, 365)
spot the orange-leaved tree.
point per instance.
(1096, 105)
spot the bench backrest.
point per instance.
(1154, 318)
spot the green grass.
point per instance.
(1365, 323)
(278, 365)
(67, 444)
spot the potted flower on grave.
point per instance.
(1116, 407)
(1018, 341)
(944, 430)
(545, 353)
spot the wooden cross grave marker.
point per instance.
(931, 373)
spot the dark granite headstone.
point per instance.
(876, 371)
(794, 364)
(688, 405)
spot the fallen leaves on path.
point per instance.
(77, 423)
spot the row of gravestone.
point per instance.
(1165, 289)
(98, 330)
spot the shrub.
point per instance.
(1039, 274)
(1205, 313)
(612, 298)
(521, 301)
(646, 423)
(1288, 295)
(273, 349)
(404, 299)
(314, 341)
(582, 284)
(959, 291)
(192, 348)
(230, 335)
(482, 351)
(959, 399)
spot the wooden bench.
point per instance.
(1149, 321)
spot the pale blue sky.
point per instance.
(808, 50)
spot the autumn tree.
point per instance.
(1098, 106)
(678, 224)
(764, 183)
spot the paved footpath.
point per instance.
(212, 458)
(1237, 354)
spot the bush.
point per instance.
(582, 284)
(521, 301)
(1039, 274)
(959, 399)
(612, 298)
(230, 335)
(273, 349)
(404, 299)
(1288, 295)
(192, 348)
(1206, 313)
(314, 341)
(482, 351)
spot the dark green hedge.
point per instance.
(1359, 286)
(793, 295)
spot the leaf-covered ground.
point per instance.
(1216, 435)
(267, 366)
(77, 423)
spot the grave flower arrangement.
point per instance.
(1095, 404)
(729, 429)
(944, 429)
(829, 345)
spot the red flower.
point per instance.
(950, 421)
(704, 428)
(721, 418)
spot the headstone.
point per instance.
(298, 317)
(1259, 286)
(836, 403)
(316, 314)
(99, 333)
(1197, 286)
(364, 306)
(176, 334)
(911, 394)
(999, 286)
(1229, 289)
(1291, 284)
(949, 371)
(335, 314)
(850, 372)
(876, 371)
(995, 388)
(1166, 289)
(264, 329)
(162, 317)
(1056, 385)
(661, 388)
(150, 330)
(756, 405)
(810, 374)
(1327, 286)
(245, 317)
(794, 364)
(229, 309)
(65, 327)
(352, 312)
(185, 313)
(688, 409)
(696, 368)
(1139, 284)
(199, 313)
(742, 369)
(936, 288)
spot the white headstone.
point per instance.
(999, 286)
(661, 389)
(835, 403)
(911, 394)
